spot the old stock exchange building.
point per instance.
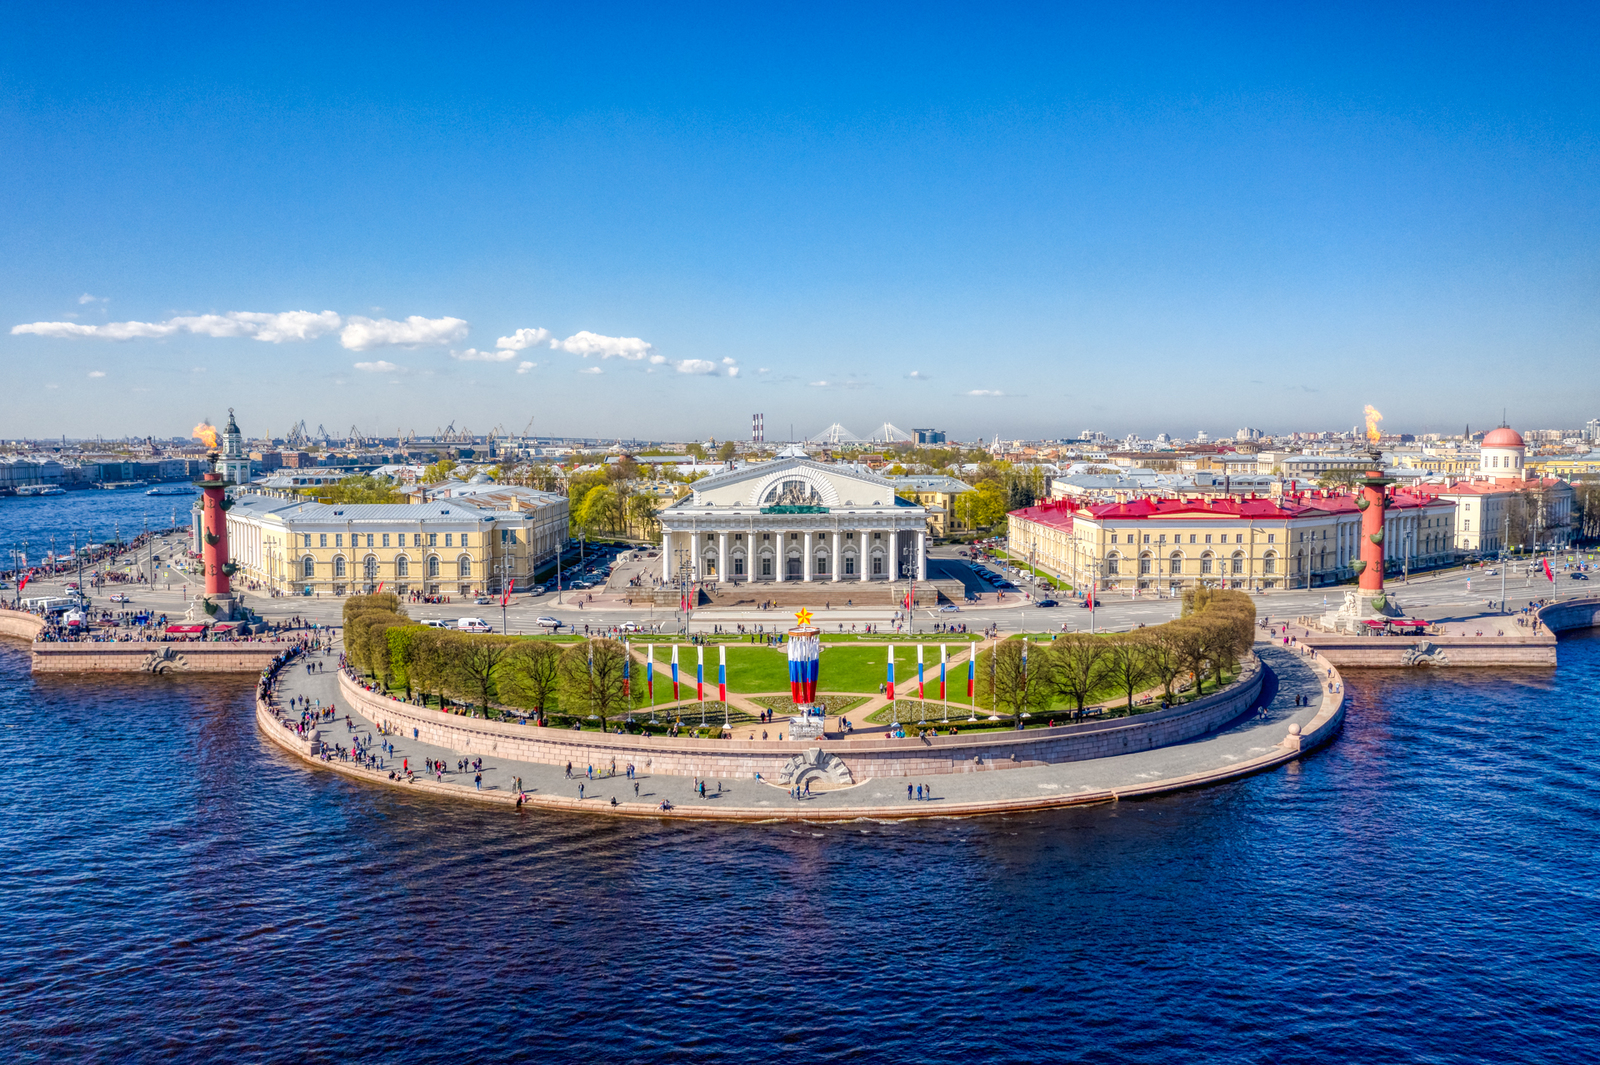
(794, 520)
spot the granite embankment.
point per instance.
(1293, 707)
(135, 656)
(867, 755)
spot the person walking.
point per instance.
(580, 791)
(477, 781)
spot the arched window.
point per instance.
(1270, 563)
(402, 566)
(433, 565)
(464, 566)
(1205, 562)
(1144, 564)
(309, 567)
(1175, 563)
(369, 568)
(1238, 562)
(338, 567)
(1113, 566)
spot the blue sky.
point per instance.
(1032, 222)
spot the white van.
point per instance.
(434, 623)
(473, 625)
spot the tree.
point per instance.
(727, 450)
(1164, 655)
(439, 471)
(697, 452)
(428, 661)
(601, 510)
(591, 677)
(530, 676)
(1080, 667)
(642, 511)
(1013, 680)
(475, 664)
(400, 639)
(1127, 664)
(361, 489)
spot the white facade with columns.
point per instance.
(794, 520)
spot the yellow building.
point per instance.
(1567, 466)
(938, 494)
(1169, 545)
(441, 547)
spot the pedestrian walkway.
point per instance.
(1258, 733)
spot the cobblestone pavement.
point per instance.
(1258, 732)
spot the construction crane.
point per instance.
(297, 437)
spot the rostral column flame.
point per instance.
(206, 433)
(1372, 502)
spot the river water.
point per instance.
(1423, 890)
(93, 515)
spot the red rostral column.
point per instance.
(214, 527)
(1371, 579)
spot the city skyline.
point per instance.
(1125, 223)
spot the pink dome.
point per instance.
(1503, 437)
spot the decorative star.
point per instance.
(803, 616)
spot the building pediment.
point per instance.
(796, 486)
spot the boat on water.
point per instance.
(41, 490)
(171, 490)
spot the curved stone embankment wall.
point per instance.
(1572, 614)
(22, 625)
(866, 758)
(1321, 729)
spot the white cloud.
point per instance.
(764, 370)
(474, 355)
(657, 360)
(918, 375)
(985, 392)
(364, 334)
(524, 367)
(734, 372)
(380, 366)
(272, 328)
(591, 369)
(86, 298)
(523, 339)
(730, 362)
(97, 373)
(695, 366)
(586, 343)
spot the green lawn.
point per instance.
(766, 669)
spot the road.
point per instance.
(1448, 595)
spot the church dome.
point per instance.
(1503, 437)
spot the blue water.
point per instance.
(94, 515)
(1423, 890)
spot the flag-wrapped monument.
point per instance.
(805, 655)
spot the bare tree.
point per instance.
(1016, 681)
(1080, 667)
(1127, 664)
(591, 678)
(530, 676)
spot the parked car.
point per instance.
(473, 625)
(580, 585)
(537, 589)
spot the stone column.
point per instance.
(922, 554)
(780, 559)
(838, 555)
(863, 554)
(666, 557)
(894, 555)
(722, 557)
(806, 562)
(694, 555)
